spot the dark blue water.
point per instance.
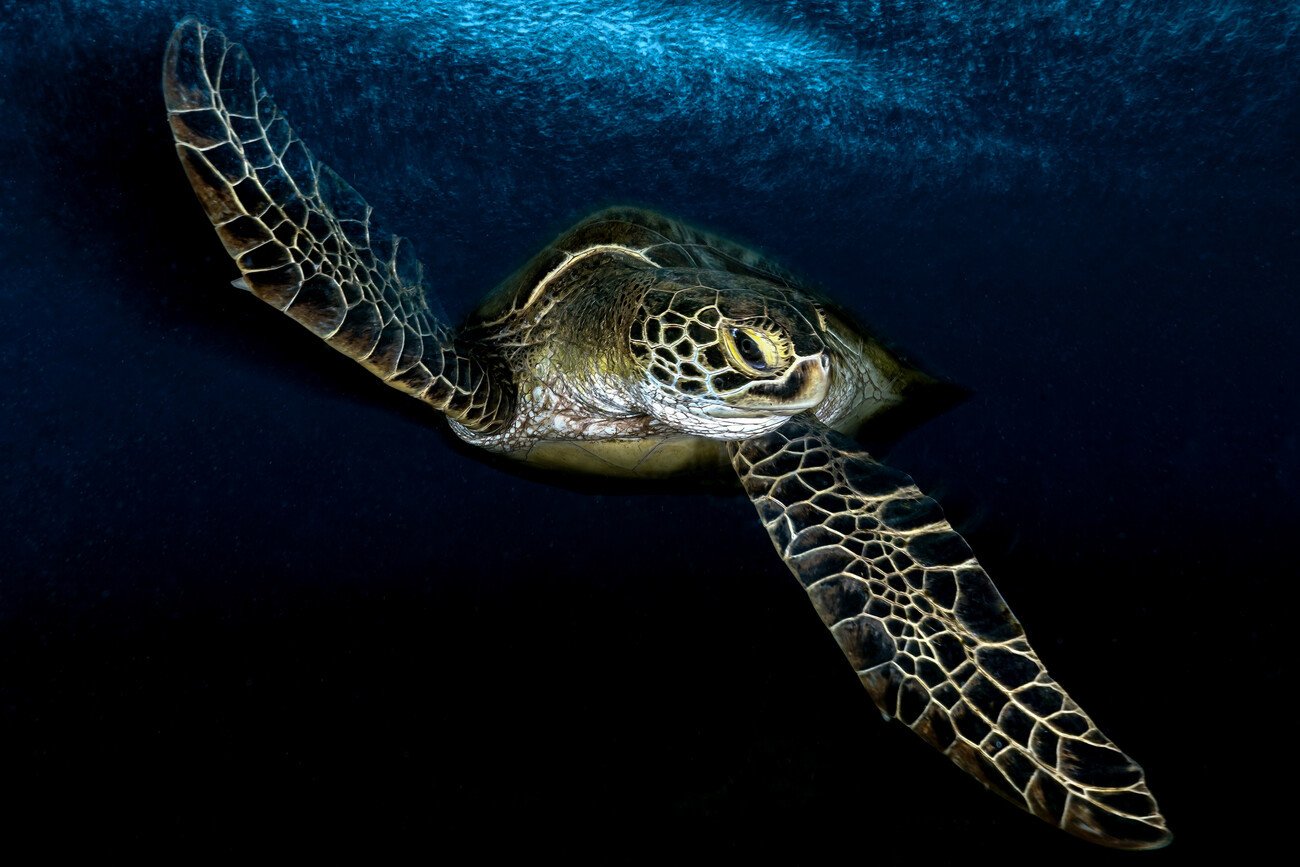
(246, 590)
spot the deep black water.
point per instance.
(248, 592)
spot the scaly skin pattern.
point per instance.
(931, 638)
(306, 242)
(679, 334)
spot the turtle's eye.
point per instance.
(753, 351)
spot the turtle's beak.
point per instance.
(801, 388)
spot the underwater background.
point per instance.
(248, 593)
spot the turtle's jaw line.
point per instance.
(756, 412)
(785, 410)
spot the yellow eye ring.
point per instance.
(754, 351)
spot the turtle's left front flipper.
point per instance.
(306, 242)
(932, 639)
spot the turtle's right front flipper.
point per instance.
(932, 639)
(305, 241)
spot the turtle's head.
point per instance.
(731, 359)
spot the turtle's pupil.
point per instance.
(750, 351)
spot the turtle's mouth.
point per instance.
(801, 388)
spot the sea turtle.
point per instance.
(635, 345)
